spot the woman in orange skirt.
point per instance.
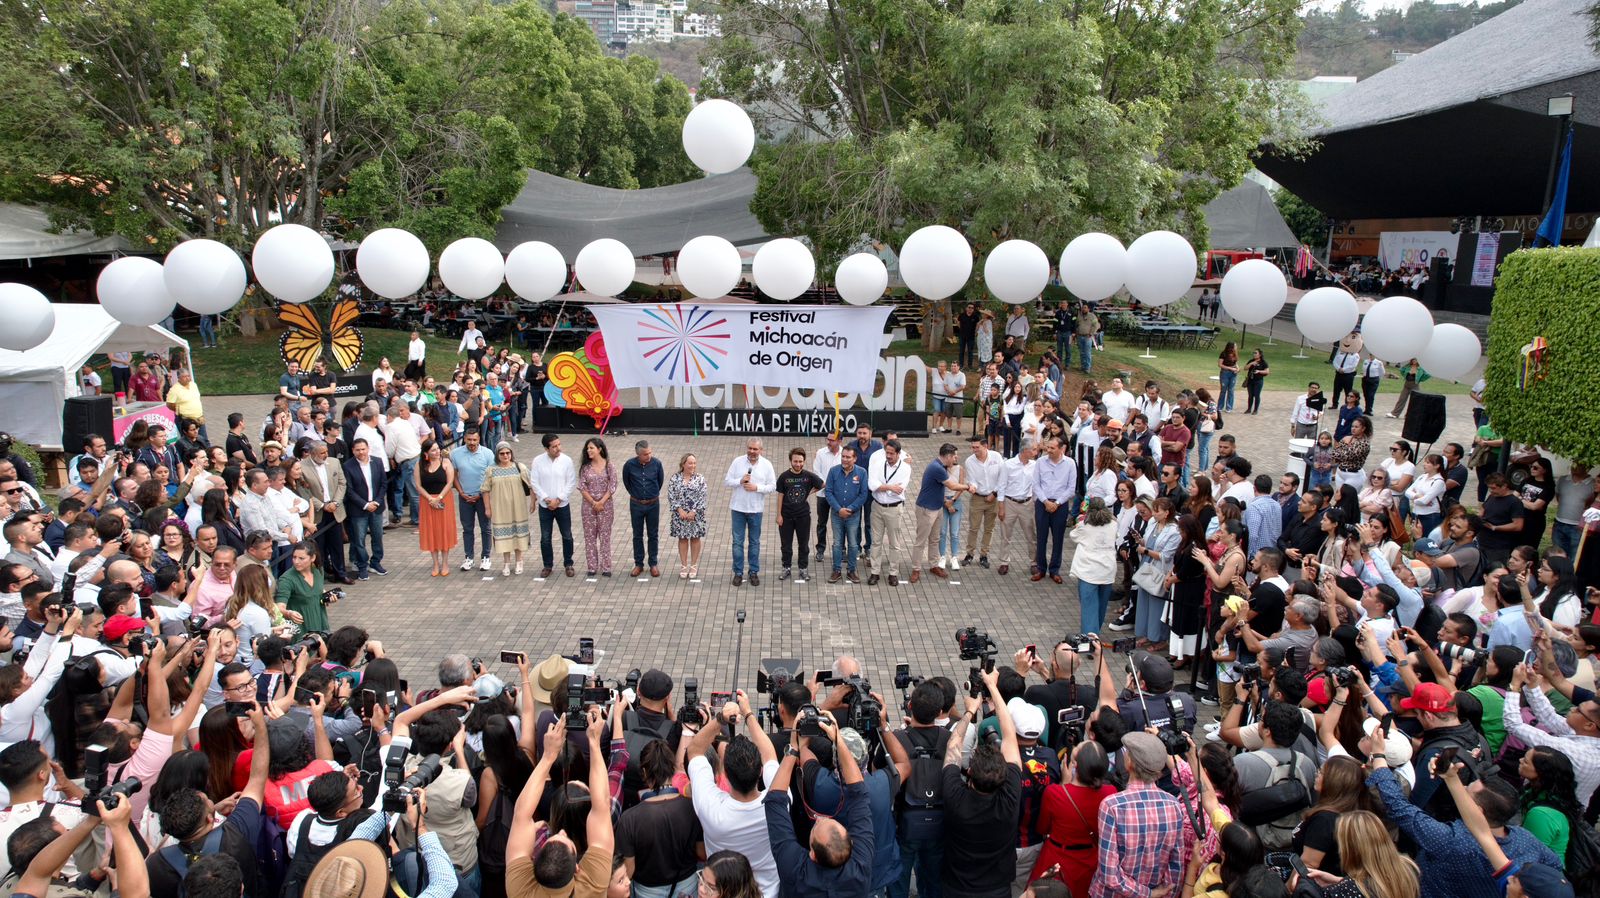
(436, 484)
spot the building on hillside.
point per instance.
(618, 23)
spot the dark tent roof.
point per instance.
(1246, 217)
(569, 214)
(1460, 128)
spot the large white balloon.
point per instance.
(133, 290)
(604, 267)
(1016, 271)
(1093, 266)
(29, 317)
(1160, 268)
(1253, 291)
(709, 266)
(861, 279)
(783, 268)
(1326, 314)
(935, 262)
(1452, 352)
(718, 136)
(535, 270)
(205, 276)
(292, 262)
(471, 268)
(392, 263)
(1397, 329)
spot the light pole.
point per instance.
(1560, 109)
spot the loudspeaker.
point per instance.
(83, 415)
(1424, 418)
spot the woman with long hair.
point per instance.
(1068, 814)
(176, 548)
(1016, 404)
(1157, 545)
(216, 510)
(1228, 375)
(1255, 377)
(727, 874)
(1425, 492)
(597, 482)
(223, 740)
(1102, 484)
(1557, 595)
(435, 481)
(1373, 867)
(255, 609)
(1550, 808)
(185, 770)
(1200, 503)
(1206, 427)
(1094, 563)
(299, 590)
(1537, 494)
(1187, 585)
(1341, 787)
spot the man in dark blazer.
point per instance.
(365, 488)
(325, 476)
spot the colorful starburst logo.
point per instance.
(691, 341)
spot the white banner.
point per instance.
(1484, 258)
(1415, 249)
(690, 344)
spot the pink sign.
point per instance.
(152, 412)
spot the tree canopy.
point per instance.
(162, 119)
(1309, 224)
(1037, 119)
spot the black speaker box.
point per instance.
(1424, 418)
(83, 415)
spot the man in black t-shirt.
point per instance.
(1502, 521)
(967, 332)
(1455, 476)
(319, 382)
(659, 837)
(238, 444)
(981, 807)
(1059, 690)
(796, 486)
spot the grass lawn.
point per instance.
(252, 364)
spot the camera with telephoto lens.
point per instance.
(95, 763)
(1172, 736)
(862, 711)
(808, 722)
(1466, 654)
(329, 596)
(974, 644)
(1082, 643)
(401, 786)
(689, 714)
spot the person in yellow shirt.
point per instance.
(184, 399)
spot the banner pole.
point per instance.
(1302, 353)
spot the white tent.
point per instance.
(25, 234)
(34, 385)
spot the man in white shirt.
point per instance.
(750, 477)
(288, 502)
(416, 357)
(955, 388)
(470, 337)
(1154, 407)
(1118, 402)
(371, 430)
(1346, 361)
(1303, 418)
(888, 474)
(1371, 376)
(826, 459)
(402, 444)
(985, 475)
(736, 820)
(80, 538)
(1015, 491)
(1239, 486)
(258, 510)
(554, 478)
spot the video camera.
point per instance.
(974, 644)
(863, 710)
(94, 782)
(403, 787)
(776, 673)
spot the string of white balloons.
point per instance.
(294, 264)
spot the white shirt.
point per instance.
(1397, 470)
(293, 506)
(263, 512)
(985, 475)
(1303, 414)
(58, 567)
(1103, 485)
(400, 440)
(1346, 362)
(881, 474)
(1156, 410)
(1142, 486)
(1016, 478)
(734, 825)
(416, 350)
(761, 474)
(1374, 368)
(826, 461)
(955, 383)
(1117, 403)
(383, 375)
(469, 340)
(1244, 491)
(375, 443)
(553, 478)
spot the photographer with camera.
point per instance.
(1280, 683)
(919, 809)
(735, 820)
(25, 688)
(557, 870)
(840, 857)
(649, 718)
(1141, 830)
(981, 807)
(434, 728)
(1268, 777)
(31, 779)
(1060, 692)
(43, 847)
(1145, 698)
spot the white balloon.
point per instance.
(292, 262)
(1397, 329)
(1451, 352)
(205, 276)
(1160, 268)
(29, 317)
(783, 268)
(718, 136)
(861, 279)
(471, 268)
(605, 267)
(1253, 291)
(392, 263)
(535, 270)
(709, 266)
(1326, 314)
(1093, 266)
(133, 290)
(1016, 271)
(935, 262)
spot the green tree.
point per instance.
(1307, 222)
(1037, 119)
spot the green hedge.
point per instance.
(1555, 294)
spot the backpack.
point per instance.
(1274, 810)
(179, 859)
(82, 675)
(638, 734)
(1583, 860)
(922, 795)
(308, 855)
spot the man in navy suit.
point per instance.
(365, 488)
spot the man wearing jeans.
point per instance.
(642, 477)
(750, 477)
(936, 478)
(1574, 492)
(471, 460)
(365, 486)
(846, 492)
(554, 478)
(1055, 477)
(1088, 326)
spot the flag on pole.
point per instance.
(1550, 229)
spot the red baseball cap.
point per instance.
(1430, 697)
(121, 625)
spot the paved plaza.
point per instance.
(688, 628)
